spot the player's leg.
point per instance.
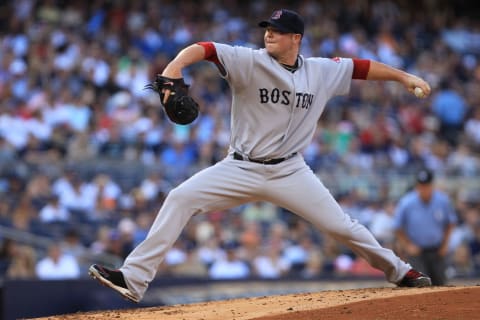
(303, 193)
(435, 266)
(227, 184)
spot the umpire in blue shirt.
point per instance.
(424, 219)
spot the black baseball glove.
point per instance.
(180, 107)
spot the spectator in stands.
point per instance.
(78, 197)
(209, 251)
(229, 267)
(38, 189)
(23, 214)
(53, 211)
(464, 231)
(381, 225)
(7, 151)
(81, 148)
(462, 161)
(191, 267)
(298, 253)
(249, 240)
(14, 186)
(117, 245)
(57, 265)
(262, 212)
(143, 222)
(270, 263)
(462, 264)
(72, 245)
(176, 255)
(472, 128)
(22, 265)
(154, 185)
(7, 251)
(100, 246)
(314, 266)
(112, 145)
(106, 193)
(178, 157)
(450, 108)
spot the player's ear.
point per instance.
(297, 37)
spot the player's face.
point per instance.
(280, 44)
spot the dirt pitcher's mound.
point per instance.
(461, 302)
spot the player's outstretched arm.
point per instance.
(383, 72)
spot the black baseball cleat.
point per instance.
(415, 279)
(113, 279)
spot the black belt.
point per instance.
(238, 156)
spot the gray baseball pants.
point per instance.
(290, 184)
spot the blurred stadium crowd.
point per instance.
(87, 156)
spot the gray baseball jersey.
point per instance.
(274, 114)
(275, 111)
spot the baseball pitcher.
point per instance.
(278, 97)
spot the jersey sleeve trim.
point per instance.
(211, 55)
(360, 69)
(210, 52)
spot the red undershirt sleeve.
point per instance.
(210, 52)
(211, 55)
(360, 69)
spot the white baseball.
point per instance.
(419, 92)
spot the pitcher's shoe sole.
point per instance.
(127, 294)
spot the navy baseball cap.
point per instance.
(424, 176)
(285, 21)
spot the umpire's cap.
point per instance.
(285, 21)
(424, 176)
